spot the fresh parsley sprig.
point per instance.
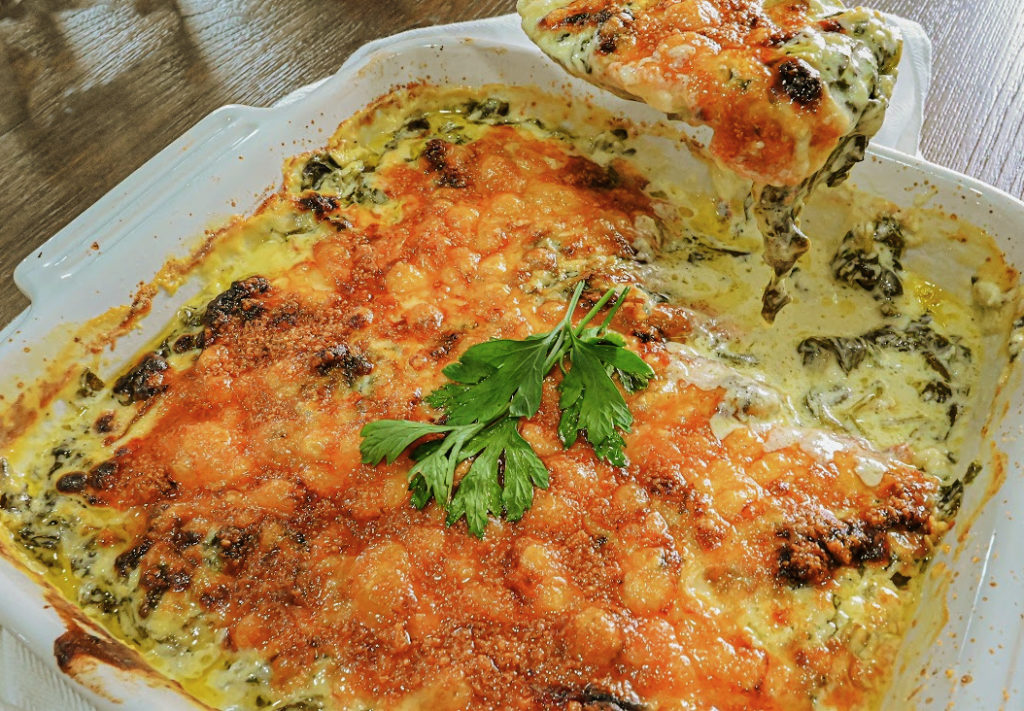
(494, 385)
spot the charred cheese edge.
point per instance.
(763, 549)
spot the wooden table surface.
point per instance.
(91, 89)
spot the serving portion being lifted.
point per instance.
(792, 90)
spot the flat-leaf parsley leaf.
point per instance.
(495, 384)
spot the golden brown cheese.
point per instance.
(212, 507)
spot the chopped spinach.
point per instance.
(951, 497)
(479, 111)
(316, 169)
(848, 352)
(941, 354)
(872, 262)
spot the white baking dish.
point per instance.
(233, 157)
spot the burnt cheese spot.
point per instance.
(440, 160)
(608, 44)
(830, 25)
(72, 483)
(594, 698)
(235, 543)
(799, 81)
(214, 597)
(104, 423)
(285, 317)
(818, 543)
(584, 173)
(581, 19)
(75, 645)
(445, 344)
(187, 342)
(159, 580)
(780, 38)
(182, 539)
(143, 381)
(651, 334)
(341, 358)
(101, 475)
(318, 204)
(239, 302)
(128, 561)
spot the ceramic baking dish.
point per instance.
(234, 156)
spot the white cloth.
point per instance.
(905, 116)
(26, 684)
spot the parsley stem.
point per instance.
(557, 353)
(614, 310)
(593, 311)
(577, 292)
(451, 449)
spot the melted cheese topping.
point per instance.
(209, 505)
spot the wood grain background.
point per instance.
(91, 89)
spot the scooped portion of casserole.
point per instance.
(761, 546)
(792, 90)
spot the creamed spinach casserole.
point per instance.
(762, 548)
